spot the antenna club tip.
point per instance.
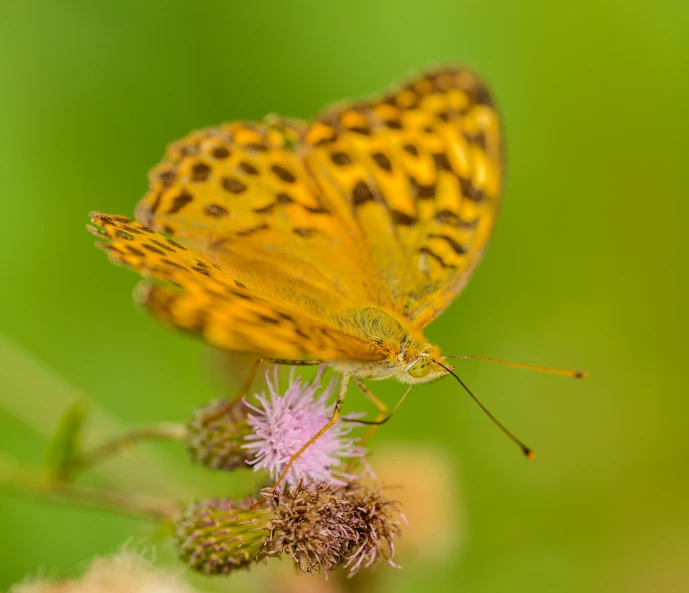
(529, 454)
(581, 375)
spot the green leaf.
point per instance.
(65, 448)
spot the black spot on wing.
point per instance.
(361, 193)
(133, 250)
(283, 174)
(215, 211)
(175, 244)
(180, 202)
(442, 163)
(411, 149)
(200, 172)
(172, 264)
(252, 230)
(154, 207)
(470, 191)
(305, 231)
(232, 185)
(481, 96)
(167, 177)
(363, 130)
(248, 168)
(436, 257)
(220, 152)
(451, 218)
(478, 139)
(266, 319)
(163, 246)
(402, 218)
(456, 247)
(422, 192)
(265, 209)
(382, 161)
(152, 248)
(340, 158)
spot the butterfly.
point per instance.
(335, 241)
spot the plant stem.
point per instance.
(13, 477)
(35, 394)
(162, 431)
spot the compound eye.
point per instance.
(420, 368)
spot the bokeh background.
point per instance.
(587, 268)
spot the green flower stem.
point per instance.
(38, 483)
(155, 432)
(36, 395)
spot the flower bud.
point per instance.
(215, 435)
(218, 536)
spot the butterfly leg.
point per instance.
(244, 389)
(336, 414)
(382, 417)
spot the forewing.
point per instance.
(420, 173)
(241, 195)
(186, 289)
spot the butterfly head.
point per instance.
(423, 367)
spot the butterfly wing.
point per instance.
(185, 288)
(265, 237)
(420, 172)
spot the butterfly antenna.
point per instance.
(526, 450)
(529, 367)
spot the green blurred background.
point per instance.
(587, 267)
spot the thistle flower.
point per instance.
(322, 526)
(218, 536)
(282, 424)
(216, 433)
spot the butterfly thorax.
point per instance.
(401, 347)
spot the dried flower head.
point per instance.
(218, 536)
(377, 523)
(322, 526)
(216, 433)
(310, 526)
(282, 424)
(424, 480)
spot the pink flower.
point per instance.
(282, 424)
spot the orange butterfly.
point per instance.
(335, 241)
